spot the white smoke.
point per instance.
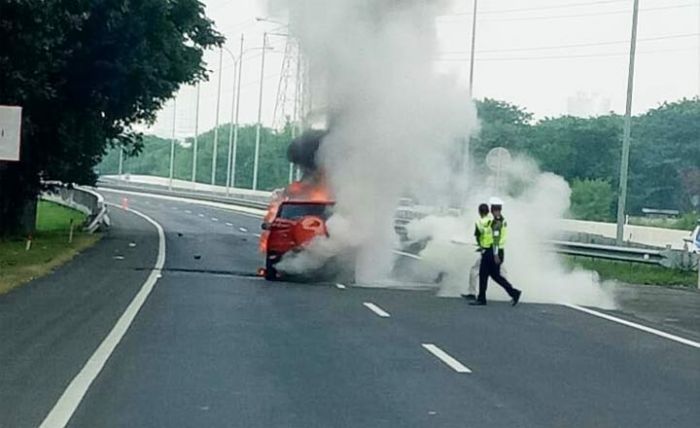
(395, 127)
(533, 204)
(394, 120)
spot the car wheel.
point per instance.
(270, 271)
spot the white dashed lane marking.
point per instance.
(446, 358)
(377, 310)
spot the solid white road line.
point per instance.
(446, 358)
(66, 405)
(377, 310)
(341, 286)
(637, 326)
(229, 224)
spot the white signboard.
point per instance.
(10, 131)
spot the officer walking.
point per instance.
(491, 242)
(480, 225)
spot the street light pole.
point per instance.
(172, 146)
(296, 113)
(624, 162)
(216, 126)
(473, 45)
(233, 128)
(256, 160)
(194, 146)
(121, 161)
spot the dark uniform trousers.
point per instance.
(489, 268)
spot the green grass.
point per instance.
(50, 247)
(51, 217)
(634, 273)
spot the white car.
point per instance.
(695, 240)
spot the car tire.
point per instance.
(270, 271)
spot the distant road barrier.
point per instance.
(667, 257)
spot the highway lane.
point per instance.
(215, 346)
(50, 326)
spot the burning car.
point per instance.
(295, 225)
(297, 215)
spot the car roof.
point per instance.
(292, 202)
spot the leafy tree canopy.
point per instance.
(84, 71)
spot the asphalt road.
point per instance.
(215, 346)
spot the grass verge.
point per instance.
(50, 247)
(634, 273)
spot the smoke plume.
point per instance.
(394, 119)
(396, 127)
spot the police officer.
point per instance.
(491, 242)
(480, 225)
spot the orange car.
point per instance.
(293, 225)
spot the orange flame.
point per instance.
(312, 189)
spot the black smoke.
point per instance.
(302, 150)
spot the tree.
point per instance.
(154, 159)
(577, 148)
(591, 200)
(502, 124)
(84, 72)
(665, 156)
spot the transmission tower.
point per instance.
(288, 99)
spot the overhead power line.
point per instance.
(534, 58)
(529, 9)
(582, 15)
(577, 45)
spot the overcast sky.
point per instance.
(538, 54)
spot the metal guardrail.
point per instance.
(652, 256)
(199, 195)
(82, 199)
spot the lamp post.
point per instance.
(194, 146)
(216, 119)
(256, 160)
(625, 158)
(172, 147)
(235, 109)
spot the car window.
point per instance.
(295, 211)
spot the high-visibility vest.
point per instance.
(486, 234)
(502, 234)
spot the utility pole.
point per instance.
(120, 171)
(216, 126)
(233, 142)
(296, 113)
(624, 161)
(172, 146)
(196, 132)
(256, 160)
(471, 59)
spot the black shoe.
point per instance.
(478, 303)
(516, 298)
(469, 297)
